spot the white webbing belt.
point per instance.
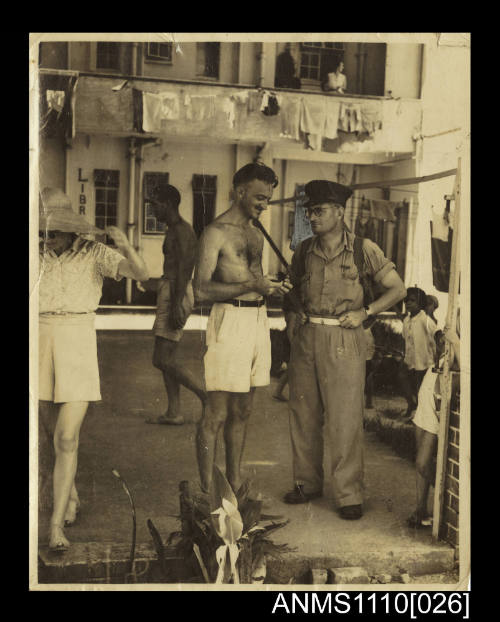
(330, 321)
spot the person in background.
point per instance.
(72, 271)
(431, 305)
(285, 70)
(418, 334)
(426, 423)
(336, 80)
(174, 303)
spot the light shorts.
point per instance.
(161, 326)
(238, 353)
(426, 414)
(68, 370)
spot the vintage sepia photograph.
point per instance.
(249, 311)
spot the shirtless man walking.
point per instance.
(238, 358)
(174, 305)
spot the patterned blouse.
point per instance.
(72, 282)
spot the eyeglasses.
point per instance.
(319, 211)
(49, 234)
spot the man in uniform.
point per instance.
(174, 302)
(238, 358)
(328, 349)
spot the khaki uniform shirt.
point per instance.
(330, 287)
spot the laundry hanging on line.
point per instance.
(157, 108)
(290, 118)
(199, 107)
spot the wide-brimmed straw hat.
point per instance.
(56, 214)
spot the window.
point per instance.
(159, 51)
(154, 220)
(204, 193)
(106, 184)
(208, 59)
(108, 56)
(318, 59)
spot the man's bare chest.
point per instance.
(243, 244)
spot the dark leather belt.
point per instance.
(245, 303)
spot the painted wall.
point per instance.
(247, 65)
(183, 64)
(51, 163)
(95, 152)
(403, 69)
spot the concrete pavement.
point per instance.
(153, 459)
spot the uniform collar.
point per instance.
(347, 245)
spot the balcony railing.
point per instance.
(232, 113)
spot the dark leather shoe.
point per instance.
(297, 495)
(351, 512)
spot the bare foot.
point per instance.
(57, 540)
(72, 510)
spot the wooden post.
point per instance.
(446, 378)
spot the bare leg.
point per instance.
(235, 428)
(426, 448)
(214, 415)
(173, 377)
(66, 436)
(406, 387)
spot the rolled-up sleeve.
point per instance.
(107, 261)
(376, 262)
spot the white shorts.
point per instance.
(238, 353)
(426, 414)
(68, 370)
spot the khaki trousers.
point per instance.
(327, 377)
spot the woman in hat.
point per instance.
(72, 270)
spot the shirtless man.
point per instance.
(238, 358)
(174, 305)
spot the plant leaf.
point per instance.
(243, 493)
(221, 489)
(251, 513)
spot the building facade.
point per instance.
(119, 118)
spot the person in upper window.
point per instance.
(420, 350)
(336, 80)
(285, 70)
(72, 271)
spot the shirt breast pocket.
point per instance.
(350, 273)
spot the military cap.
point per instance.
(323, 191)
